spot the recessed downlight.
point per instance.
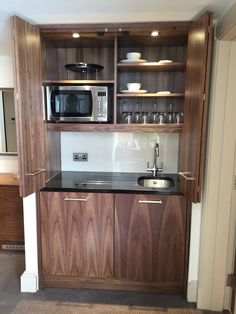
(75, 35)
(154, 33)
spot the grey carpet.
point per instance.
(66, 301)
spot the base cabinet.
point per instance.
(77, 234)
(114, 241)
(150, 239)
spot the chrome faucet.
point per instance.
(155, 169)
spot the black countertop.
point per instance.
(107, 182)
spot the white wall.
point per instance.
(119, 152)
(8, 164)
(194, 250)
(6, 74)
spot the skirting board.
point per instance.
(192, 291)
(14, 247)
(29, 282)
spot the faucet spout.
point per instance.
(156, 153)
(155, 168)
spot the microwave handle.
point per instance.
(48, 107)
(52, 101)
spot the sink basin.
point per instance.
(156, 182)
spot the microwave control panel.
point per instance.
(102, 106)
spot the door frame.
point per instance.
(218, 202)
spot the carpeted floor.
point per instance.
(67, 301)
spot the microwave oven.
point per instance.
(79, 103)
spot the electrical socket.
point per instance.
(80, 156)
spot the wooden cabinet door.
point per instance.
(28, 105)
(150, 238)
(77, 234)
(196, 105)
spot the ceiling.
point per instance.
(101, 11)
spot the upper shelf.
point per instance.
(102, 127)
(65, 82)
(151, 95)
(151, 66)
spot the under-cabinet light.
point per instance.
(154, 33)
(75, 35)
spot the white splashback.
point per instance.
(118, 152)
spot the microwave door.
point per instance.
(85, 105)
(77, 105)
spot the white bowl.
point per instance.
(133, 86)
(133, 55)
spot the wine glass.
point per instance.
(137, 114)
(154, 114)
(144, 118)
(178, 117)
(123, 104)
(170, 115)
(161, 119)
(129, 118)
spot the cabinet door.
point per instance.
(28, 105)
(150, 238)
(196, 103)
(77, 234)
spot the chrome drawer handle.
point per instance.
(150, 202)
(35, 172)
(186, 177)
(68, 199)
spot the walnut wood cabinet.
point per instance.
(76, 234)
(150, 239)
(28, 106)
(114, 241)
(193, 138)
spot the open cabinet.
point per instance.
(41, 52)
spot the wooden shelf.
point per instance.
(150, 95)
(151, 66)
(149, 128)
(62, 82)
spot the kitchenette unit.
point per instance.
(119, 230)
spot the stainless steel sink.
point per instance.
(156, 182)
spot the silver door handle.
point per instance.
(35, 172)
(186, 176)
(68, 199)
(150, 202)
